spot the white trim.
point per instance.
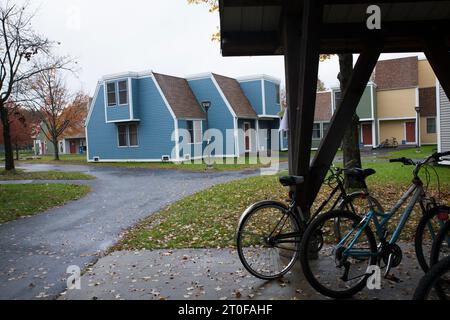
(259, 77)
(258, 146)
(268, 117)
(130, 97)
(124, 121)
(92, 105)
(198, 76)
(399, 119)
(128, 74)
(230, 108)
(87, 143)
(152, 160)
(438, 115)
(175, 120)
(263, 91)
(418, 139)
(374, 142)
(236, 138)
(372, 99)
(378, 131)
(366, 120)
(405, 135)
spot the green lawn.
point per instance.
(248, 163)
(44, 175)
(209, 219)
(414, 153)
(17, 201)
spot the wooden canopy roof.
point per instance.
(254, 27)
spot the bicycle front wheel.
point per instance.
(435, 285)
(339, 269)
(268, 240)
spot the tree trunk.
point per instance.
(9, 153)
(17, 152)
(350, 143)
(55, 146)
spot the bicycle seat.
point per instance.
(290, 181)
(359, 173)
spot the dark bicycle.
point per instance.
(270, 232)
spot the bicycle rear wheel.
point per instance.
(338, 270)
(426, 232)
(268, 240)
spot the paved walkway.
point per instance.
(35, 252)
(210, 275)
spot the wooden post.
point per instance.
(439, 59)
(292, 37)
(312, 20)
(342, 118)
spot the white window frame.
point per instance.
(118, 92)
(108, 92)
(127, 136)
(435, 125)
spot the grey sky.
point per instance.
(167, 36)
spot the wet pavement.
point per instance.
(212, 275)
(35, 252)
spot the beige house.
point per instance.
(406, 101)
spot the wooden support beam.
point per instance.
(312, 13)
(342, 118)
(291, 40)
(439, 58)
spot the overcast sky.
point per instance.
(166, 36)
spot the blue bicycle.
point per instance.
(342, 266)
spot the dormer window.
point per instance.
(111, 92)
(117, 89)
(123, 92)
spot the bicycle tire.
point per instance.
(239, 237)
(418, 241)
(437, 243)
(304, 257)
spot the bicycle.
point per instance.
(436, 282)
(341, 270)
(270, 232)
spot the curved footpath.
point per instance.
(35, 252)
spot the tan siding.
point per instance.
(426, 138)
(426, 75)
(390, 129)
(396, 103)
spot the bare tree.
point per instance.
(48, 95)
(20, 45)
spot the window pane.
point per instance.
(316, 131)
(123, 141)
(123, 92)
(133, 135)
(111, 90)
(431, 125)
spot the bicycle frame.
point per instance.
(416, 193)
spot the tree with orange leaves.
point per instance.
(20, 126)
(58, 110)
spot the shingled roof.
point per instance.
(235, 96)
(180, 97)
(398, 73)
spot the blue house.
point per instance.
(151, 117)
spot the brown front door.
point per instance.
(73, 147)
(247, 127)
(410, 132)
(367, 134)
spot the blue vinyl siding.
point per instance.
(272, 105)
(253, 92)
(118, 113)
(154, 130)
(219, 116)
